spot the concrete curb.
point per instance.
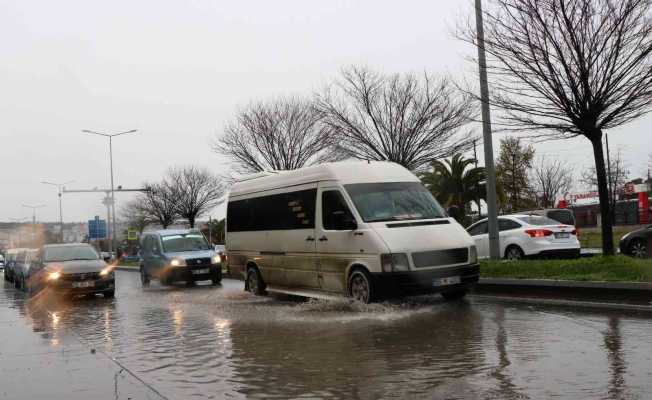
(566, 303)
(549, 283)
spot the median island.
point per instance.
(601, 269)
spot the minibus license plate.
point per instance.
(451, 280)
(562, 235)
(200, 271)
(85, 284)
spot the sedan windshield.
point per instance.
(396, 201)
(69, 253)
(189, 242)
(539, 221)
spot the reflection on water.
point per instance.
(217, 343)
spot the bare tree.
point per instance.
(159, 203)
(552, 179)
(406, 119)
(617, 177)
(566, 68)
(283, 134)
(135, 214)
(195, 191)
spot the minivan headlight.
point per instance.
(473, 255)
(178, 262)
(395, 262)
(216, 259)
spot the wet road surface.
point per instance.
(219, 342)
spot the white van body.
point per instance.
(288, 227)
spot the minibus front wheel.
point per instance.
(255, 282)
(361, 287)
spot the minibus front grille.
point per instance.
(436, 258)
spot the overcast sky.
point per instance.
(177, 71)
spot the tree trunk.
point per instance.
(191, 221)
(603, 191)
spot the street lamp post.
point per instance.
(17, 221)
(34, 208)
(111, 136)
(59, 187)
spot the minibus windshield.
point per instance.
(394, 201)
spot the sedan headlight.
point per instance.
(106, 271)
(53, 276)
(395, 262)
(217, 259)
(178, 262)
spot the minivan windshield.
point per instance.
(69, 253)
(394, 201)
(187, 242)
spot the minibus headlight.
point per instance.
(396, 262)
(53, 276)
(178, 262)
(473, 255)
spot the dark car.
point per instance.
(637, 243)
(70, 269)
(178, 255)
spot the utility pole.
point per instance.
(59, 187)
(112, 201)
(492, 212)
(475, 157)
(210, 231)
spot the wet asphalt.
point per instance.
(220, 342)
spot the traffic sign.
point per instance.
(96, 228)
(132, 234)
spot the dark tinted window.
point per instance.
(563, 216)
(188, 242)
(507, 224)
(332, 202)
(294, 210)
(478, 229)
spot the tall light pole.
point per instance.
(17, 221)
(492, 212)
(111, 136)
(34, 208)
(59, 187)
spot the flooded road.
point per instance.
(219, 342)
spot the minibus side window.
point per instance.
(332, 202)
(284, 211)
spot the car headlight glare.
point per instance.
(53, 276)
(106, 271)
(217, 259)
(177, 262)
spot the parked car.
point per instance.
(527, 236)
(562, 215)
(26, 263)
(73, 269)
(10, 263)
(637, 243)
(356, 228)
(178, 255)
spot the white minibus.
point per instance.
(356, 228)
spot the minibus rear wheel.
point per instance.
(361, 287)
(255, 282)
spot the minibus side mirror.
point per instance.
(344, 221)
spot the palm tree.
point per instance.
(454, 184)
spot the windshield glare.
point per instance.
(69, 253)
(179, 243)
(396, 201)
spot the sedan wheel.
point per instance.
(638, 249)
(514, 253)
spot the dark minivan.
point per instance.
(178, 255)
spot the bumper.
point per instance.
(188, 274)
(560, 253)
(421, 282)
